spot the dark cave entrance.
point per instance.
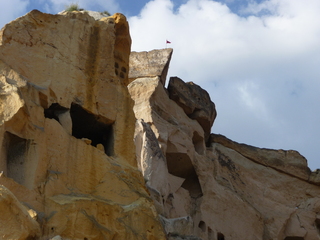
(96, 128)
(180, 165)
(220, 236)
(84, 124)
(54, 111)
(16, 156)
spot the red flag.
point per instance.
(168, 41)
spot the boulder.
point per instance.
(195, 102)
(150, 64)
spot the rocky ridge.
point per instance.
(214, 188)
(94, 146)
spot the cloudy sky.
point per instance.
(259, 60)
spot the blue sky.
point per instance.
(259, 60)
(15, 8)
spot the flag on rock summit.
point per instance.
(168, 41)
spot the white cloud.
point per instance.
(55, 6)
(11, 10)
(260, 67)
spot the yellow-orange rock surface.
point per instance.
(90, 149)
(15, 221)
(220, 190)
(66, 133)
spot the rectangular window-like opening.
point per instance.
(16, 149)
(96, 128)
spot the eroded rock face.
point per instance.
(67, 128)
(150, 64)
(167, 142)
(290, 162)
(15, 221)
(69, 114)
(195, 102)
(226, 190)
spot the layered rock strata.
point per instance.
(66, 135)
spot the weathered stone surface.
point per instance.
(166, 163)
(15, 220)
(224, 191)
(315, 177)
(122, 47)
(290, 162)
(150, 64)
(67, 128)
(195, 102)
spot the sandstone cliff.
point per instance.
(67, 128)
(206, 186)
(94, 146)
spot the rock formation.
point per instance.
(226, 190)
(66, 134)
(195, 102)
(94, 146)
(150, 64)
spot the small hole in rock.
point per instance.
(123, 69)
(220, 236)
(210, 234)
(317, 223)
(198, 143)
(202, 226)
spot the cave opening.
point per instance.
(180, 165)
(202, 226)
(94, 127)
(16, 156)
(198, 143)
(54, 111)
(317, 223)
(210, 234)
(220, 236)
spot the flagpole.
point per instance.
(167, 43)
